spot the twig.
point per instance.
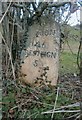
(75, 115)
(61, 111)
(18, 106)
(38, 92)
(12, 35)
(15, 22)
(56, 4)
(42, 103)
(34, 96)
(78, 55)
(36, 115)
(9, 52)
(0, 103)
(69, 47)
(32, 114)
(18, 5)
(78, 117)
(5, 12)
(68, 106)
(55, 103)
(22, 116)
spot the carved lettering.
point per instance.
(38, 44)
(45, 33)
(42, 54)
(35, 63)
(36, 53)
(49, 54)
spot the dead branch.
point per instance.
(65, 107)
(62, 111)
(57, 4)
(10, 56)
(6, 12)
(55, 104)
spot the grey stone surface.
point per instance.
(41, 60)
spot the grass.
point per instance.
(68, 63)
(68, 57)
(34, 108)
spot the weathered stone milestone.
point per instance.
(41, 59)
